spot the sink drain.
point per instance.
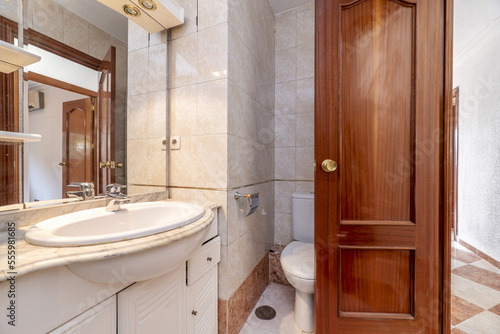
(265, 312)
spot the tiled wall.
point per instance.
(221, 101)
(294, 78)
(51, 19)
(147, 108)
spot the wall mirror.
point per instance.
(76, 98)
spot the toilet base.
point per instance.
(304, 311)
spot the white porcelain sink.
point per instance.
(96, 226)
(136, 260)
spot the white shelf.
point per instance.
(17, 137)
(13, 58)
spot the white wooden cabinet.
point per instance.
(202, 304)
(154, 306)
(100, 319)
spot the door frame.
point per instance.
(445, 227)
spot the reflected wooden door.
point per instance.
(379, 115)
(77, 143)
(104, 127)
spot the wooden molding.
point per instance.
(476, 251)
(33, 76)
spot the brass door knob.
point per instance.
(104, 164)
(62, 164)
(329, 165)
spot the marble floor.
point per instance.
(281, 298)
(475, 288)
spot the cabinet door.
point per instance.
(100, 319)
(154, 306)
(202, 304)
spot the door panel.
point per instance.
(77, 143)
(379, 115)
(105, 129)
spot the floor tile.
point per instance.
(479, 275)
(473, 292)
(457, 264)
(282, 299)
(251, 329)
(458, 246)
(485, 265)
(495, 309)
(464, 256)
(462, 310)
(483, 323)
(457, 331)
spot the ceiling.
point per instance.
(280, 6)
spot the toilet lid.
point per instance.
(298, 259)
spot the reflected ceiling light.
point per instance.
(131, 10)
(148, 4)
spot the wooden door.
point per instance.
(77, 164)
(379, 115)
(452, 174)
(105, 120)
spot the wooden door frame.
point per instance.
(445, 227)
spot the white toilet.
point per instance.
(297, 259)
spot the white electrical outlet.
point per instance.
(175, 143)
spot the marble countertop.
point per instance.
(30, 258)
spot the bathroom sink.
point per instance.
(147, 254)
(96, 226)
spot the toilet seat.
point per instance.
(297, 259)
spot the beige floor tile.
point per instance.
(473, 292)
(485, 265)
(483, 323)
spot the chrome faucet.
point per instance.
(115, 197)
(86, 191)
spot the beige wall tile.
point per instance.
(212, 53)
(304, 169)
(223, 274)
(235, 267)
(305, 61)
(286, 65)
(305, 95)
(235, 168)
(236, 111)
(157, 68)
(285, 131)
(182, 169)
(212, 107)
(304, 186)
(236, 59)
(76, 31)
(304, 129)
(137, 117)
(282, 228)
(212, 161)
(183, 194)
(286, 32)
(157, 114)
(190, 13)
(283, 196)
(48, 19)
(305, 27)
(9, 10)
(137, 75)
(99, 43)
(184, 69)
(156, 163)
(285, 163)
(286, 93)
(137, 37)
(184, 111)
(158, 38)
(137, 165)
(211, 13)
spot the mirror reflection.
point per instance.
(75, 98)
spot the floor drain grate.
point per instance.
(265, 312)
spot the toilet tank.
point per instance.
(303, 216)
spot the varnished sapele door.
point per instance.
(105, 122)
(379, 115)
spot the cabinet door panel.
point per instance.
(100, 319)
(154, 306)
(202, 304)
